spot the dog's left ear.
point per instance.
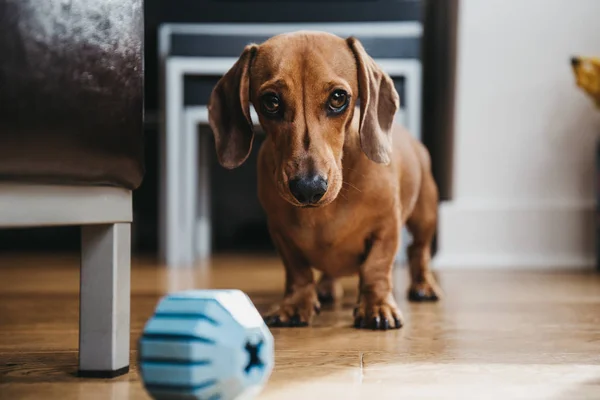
(229, 112)
(379, 102)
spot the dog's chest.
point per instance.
(334, 243)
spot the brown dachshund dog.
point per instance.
(337, 182)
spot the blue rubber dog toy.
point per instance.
(205, 344)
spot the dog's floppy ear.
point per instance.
(229, 112)
(378, 104)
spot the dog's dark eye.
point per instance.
(338, 101)
(271, 103)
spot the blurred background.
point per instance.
(487, 86)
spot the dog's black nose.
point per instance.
(575, 61)
(308, 190)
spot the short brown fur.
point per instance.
(378, 175)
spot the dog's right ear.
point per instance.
(229, 112)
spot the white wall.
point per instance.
(525, 136)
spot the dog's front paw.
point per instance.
(377, 314)
(296, 310)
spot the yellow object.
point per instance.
(587, 76)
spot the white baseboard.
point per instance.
(538, 234)
(512, 261)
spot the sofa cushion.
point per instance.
(71, 92)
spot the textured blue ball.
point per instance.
(205, 344)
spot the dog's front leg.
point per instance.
(300, 302)
(377, 308)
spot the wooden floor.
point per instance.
(497, 335)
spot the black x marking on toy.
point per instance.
(255, 361)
